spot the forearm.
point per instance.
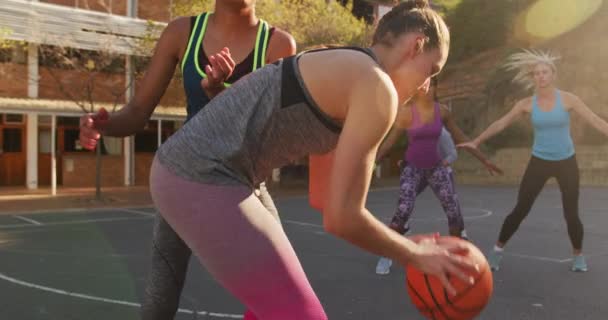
(479, 155)
(601, 125)
(491, 131)
(125, 122)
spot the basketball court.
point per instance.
(92, 264)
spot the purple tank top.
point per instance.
(422, 140)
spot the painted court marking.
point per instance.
(106, 300)
(32, 221)
(77, 221)
(484, 214)
(541, 258)
(143, 213)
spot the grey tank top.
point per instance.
(264, 121)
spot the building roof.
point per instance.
(70, 108)
(58, 25)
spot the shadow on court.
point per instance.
(93, 264)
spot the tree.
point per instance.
(311, 22)
(88, 79)
(91, 79)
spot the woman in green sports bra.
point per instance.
(188, 42)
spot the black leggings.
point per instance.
(170, 259)
(536, 175)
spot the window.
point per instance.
(68, 121)
(70, 141)
(113, 145)
(146, 141)
(44, 141)
(11, 139)
(44, 120)
(13, 119)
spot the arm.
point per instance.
(459, 137)
(370, 114)
(281, 45)
(518, 110)
(585, 112)
(132, 117)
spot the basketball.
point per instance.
(434, 302)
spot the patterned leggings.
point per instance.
(413, 180)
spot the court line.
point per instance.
(83, 221)
(106, 300)
(486, 213)
(533, 257)
(143, 213)
(32, 221)
(305, 224)
(556, 260)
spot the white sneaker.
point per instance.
(463, 235)
(384, 266)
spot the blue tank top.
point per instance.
(552, 140)
(194, 61)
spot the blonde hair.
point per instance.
(413, 16)
(524, 62)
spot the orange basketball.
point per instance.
(433, 301)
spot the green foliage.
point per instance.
(4, 42)
(311, 22)
(144, 46)
(8, 47)
(478, 25)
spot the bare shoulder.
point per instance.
(375, 81)
(174, 38)
(179, 25)
(374, 87)
(524, 105)
(281, 45)
(570, 99)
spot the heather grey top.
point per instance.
(264, 121)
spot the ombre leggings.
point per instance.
(240, 243)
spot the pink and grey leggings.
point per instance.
(240, 243)
(412, 181)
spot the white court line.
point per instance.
(84, 221)
(305, 224)
(486, 213)
(532, 257)
(106, 300)
(143, 213)
(32, 221)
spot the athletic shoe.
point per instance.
(463, 235)
(494, 259)
(384, 266)
(579, 264)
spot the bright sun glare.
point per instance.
(547, 19)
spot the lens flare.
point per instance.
(547, 19)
